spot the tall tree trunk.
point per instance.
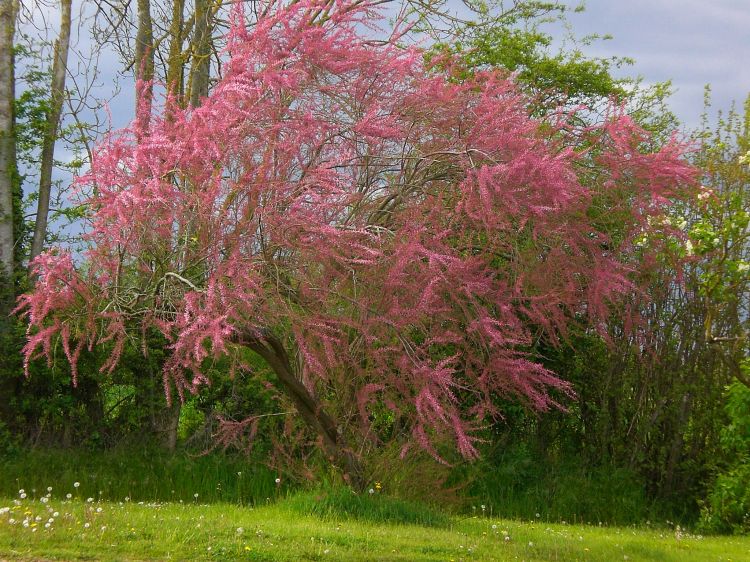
(144, 65)
(8, 169)
(175, 66)
(57, 94)
(309, 408)
(201, 52)
(169, 418)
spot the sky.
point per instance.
(691, 42)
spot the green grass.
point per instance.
(141, 474)
(341, 503)
(337, 528)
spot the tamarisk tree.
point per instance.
(373, 229)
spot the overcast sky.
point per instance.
(691, 42)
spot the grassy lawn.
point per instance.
(310, 527)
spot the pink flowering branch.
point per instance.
(360, 221)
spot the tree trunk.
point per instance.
(201, 51)
(677, 444)
(57, 94)
(308, 407)
(144, 65)
(175, 66)
(8, 171)
(165, 422)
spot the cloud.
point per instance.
(691, 42)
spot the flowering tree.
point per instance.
(366, 225)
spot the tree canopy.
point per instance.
(376, 231)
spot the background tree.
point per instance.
(720, 240)
(57, 96)
(8, 167)
(720, 235)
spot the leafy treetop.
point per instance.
(359, 220)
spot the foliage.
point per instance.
(720, 237)
(47, 408)
(368, 226)
(717, 225)
(565, 77)
(520, 482)
(727, 508)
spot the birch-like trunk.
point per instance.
(8, 172)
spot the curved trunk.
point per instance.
(308, 407)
